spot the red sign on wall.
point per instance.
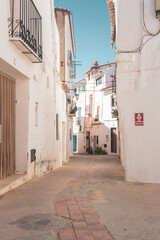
(139, 119)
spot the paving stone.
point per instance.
(92, 221)
(67, 234)
(80, 225)
(96, 227)
(83, 235)
(48, 236)
(101, 235)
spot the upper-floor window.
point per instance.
(74, 91)
(98, 81)
(88, 77)
(79, 113)
(81, 88)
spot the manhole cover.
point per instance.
(41, 222)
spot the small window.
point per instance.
(80, 128)
(83, 87)
(79, 113)
(97, 139)
(75, 91)
(36, 114)
(48, 82)
(98, 81)
(89, 77)
(71, 136)
(57, 127)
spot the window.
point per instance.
(114, 101)
(48, 82)
(79, 114)
(97, 139)
(80, 128)
(36, 114)
(75, 91)
(57, 127)
(83, 87)
(98, 114)
(88, 77)
(71, 134)
(79, 89)
(98, 81)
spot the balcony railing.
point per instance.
(25, 24)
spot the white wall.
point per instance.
(138, 90)
(31, 87)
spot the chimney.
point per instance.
(95, 64)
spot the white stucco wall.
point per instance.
(138, 89)
(31, 88)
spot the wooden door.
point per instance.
(7, 127)
(113, 140)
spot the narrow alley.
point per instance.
(91, 202)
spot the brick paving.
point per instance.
(72, 204)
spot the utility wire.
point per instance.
(146, 30)
(88, 83)
(87, 90)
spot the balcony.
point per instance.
(72, 71)
(25, 29)
(69, 58)
(72, 110)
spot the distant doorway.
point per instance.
(74, 143)
(113, 140)
(87, 140)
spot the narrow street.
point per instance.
(86, 199)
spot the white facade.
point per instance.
(138, 69)
(39, 94)
(99, 128)
(78, 121)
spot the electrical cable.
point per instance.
(92, 90)
(146, 30)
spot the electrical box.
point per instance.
(157, 8)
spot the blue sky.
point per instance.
(92, 32)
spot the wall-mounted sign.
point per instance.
(139, 119)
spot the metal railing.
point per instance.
(26, 23)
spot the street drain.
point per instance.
(41, 222)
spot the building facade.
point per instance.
(96, 124)
(32, 95)
(135, 33)
(67, 55)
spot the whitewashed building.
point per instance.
(136, 35)
(96, 125)
(79, 120)
(65, 101)
(32, 96)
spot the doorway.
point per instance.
(74, 143)
(113, 140)
(7, 127)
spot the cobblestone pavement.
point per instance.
(72, 204)
(87, 198)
